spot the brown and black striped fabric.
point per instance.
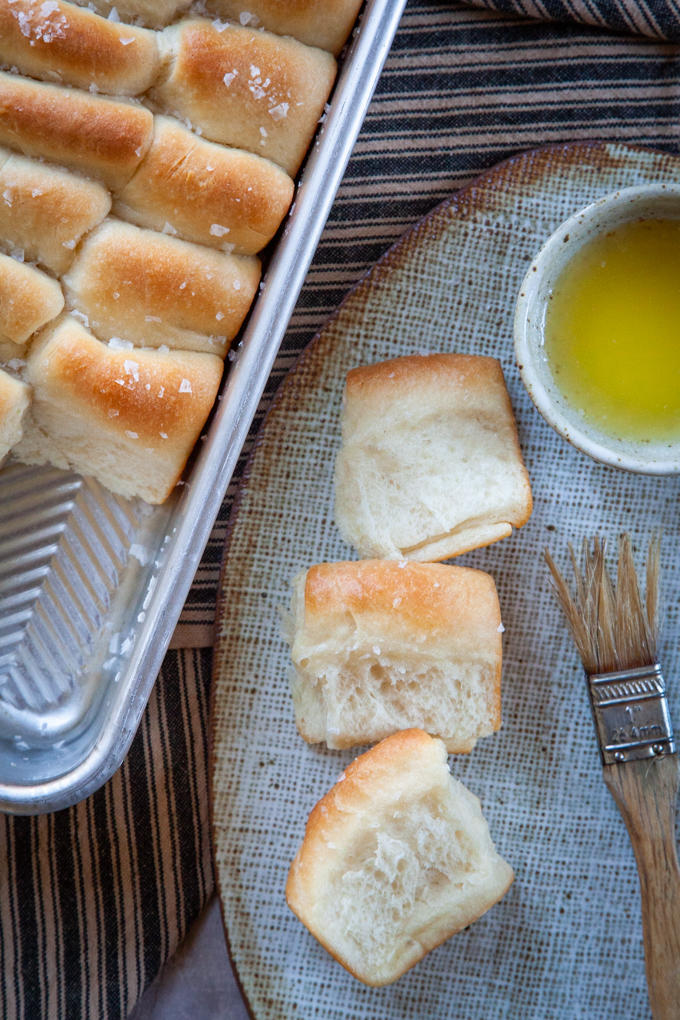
(659, 19)
(93, 900)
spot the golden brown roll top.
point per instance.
(151, 289)
(28, 299)
(61, 42)
(105, 138)
(246, 88)
(314, 22)
(152, 13)
(223, 198)
(128, 417)
(45, 210)
(379, 646)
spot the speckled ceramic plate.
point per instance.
(566, 941)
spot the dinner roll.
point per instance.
(396, 858)
(60, 42)
(223, 198)
(105, 138)
(152, 289)
(128, 417)
(313, 22)
(28, 299)
(15, 397)
(45, 210)
(430, 464)
(152, 13)
(378, 647)
(246, 88)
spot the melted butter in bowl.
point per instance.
(612, 331)
(597, 329)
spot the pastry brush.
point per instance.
(616, 634)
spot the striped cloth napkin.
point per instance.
(93, 900)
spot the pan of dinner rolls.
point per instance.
(149, 158)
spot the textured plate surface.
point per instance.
(566, 941)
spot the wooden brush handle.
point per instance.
(646, 792)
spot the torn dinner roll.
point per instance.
(130, 418)
(61, 42)
(193, 189)
(430, 464)
(45, 210)
(151, 13)
(103, 137)
(396, 859)
(250, 89)
(313, 22)
(380, 646)
(28, 300)
(151, 289)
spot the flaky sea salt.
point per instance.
(217, 230)
(120, 345)
(185, 386)
(229, 77)
(132, 368)
(279, 112)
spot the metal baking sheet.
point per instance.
(92, 585)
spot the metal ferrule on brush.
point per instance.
(631, 714)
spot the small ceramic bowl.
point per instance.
(646, 202)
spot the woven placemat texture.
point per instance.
(80, 937)
(566, 941)
(659, 19)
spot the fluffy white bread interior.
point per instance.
(15, 397)
(28, 299)
(430, 464)
(314, 22)
(378, 647)
(130, 418)
(151, 289)
(223, 198)
(45, 210)
(254, 90)
(60, 41)
(396, 858)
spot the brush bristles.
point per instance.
(611, 625)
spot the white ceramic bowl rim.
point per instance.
(641, 202)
